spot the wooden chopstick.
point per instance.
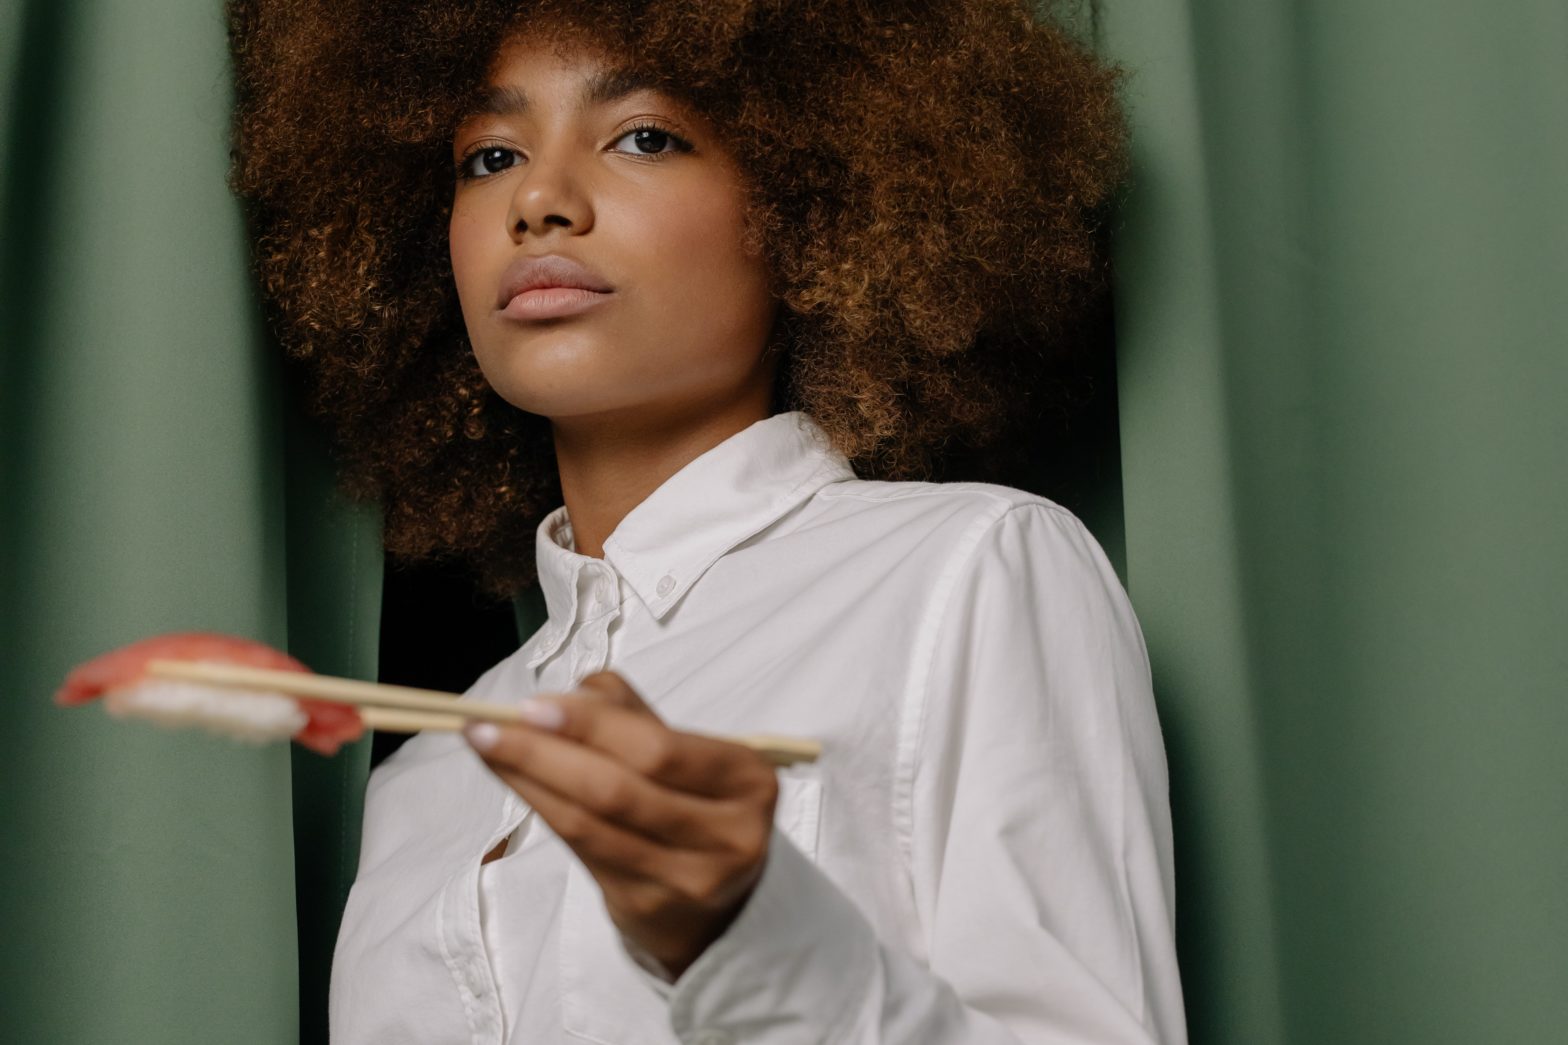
(396, 720)
(407, 709)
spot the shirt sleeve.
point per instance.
(1036, 826)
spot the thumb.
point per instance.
(612, 689)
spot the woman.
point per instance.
(700, 290)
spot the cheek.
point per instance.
(466, 249)
(701, 231)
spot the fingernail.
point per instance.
(482, 735)
(541, 713)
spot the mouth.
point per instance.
(549, 286)
(553, 302)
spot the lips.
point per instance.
(544, 271)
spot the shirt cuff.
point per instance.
(793, 965)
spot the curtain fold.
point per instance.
(334, 575)
(1340, 339)
(153, 481)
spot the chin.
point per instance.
(561, 394)
(545, 374)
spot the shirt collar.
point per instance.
(714, 502)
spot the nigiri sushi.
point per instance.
(189, 685)
(120, 678)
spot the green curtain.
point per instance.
(1341, 313)
(155, 477)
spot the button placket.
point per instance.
(463, 951)
(589, 654)
(599, 599)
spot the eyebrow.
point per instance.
(601, 88)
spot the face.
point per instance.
(580, 176)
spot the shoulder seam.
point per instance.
(890, 491)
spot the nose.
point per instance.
(550, 194)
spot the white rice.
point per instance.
(251, 715)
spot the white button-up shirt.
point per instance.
(981, 855)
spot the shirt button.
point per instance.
(666, 585)
(712, 1037)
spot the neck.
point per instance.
(609, 465)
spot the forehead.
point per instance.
(595, 83)
(584, 69)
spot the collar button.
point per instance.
(666, 585)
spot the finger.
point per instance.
(604, 847)
(683, 761)
(644, 873)
(614, 791)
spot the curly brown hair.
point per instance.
(927, 178)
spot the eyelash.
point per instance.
(681, 145)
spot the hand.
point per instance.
(673, 826)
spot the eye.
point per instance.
(488, 158)
(654, 139)
(649, 141)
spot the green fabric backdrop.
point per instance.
(1341, 376)
(147, 889)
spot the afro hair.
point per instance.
(927, 179)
